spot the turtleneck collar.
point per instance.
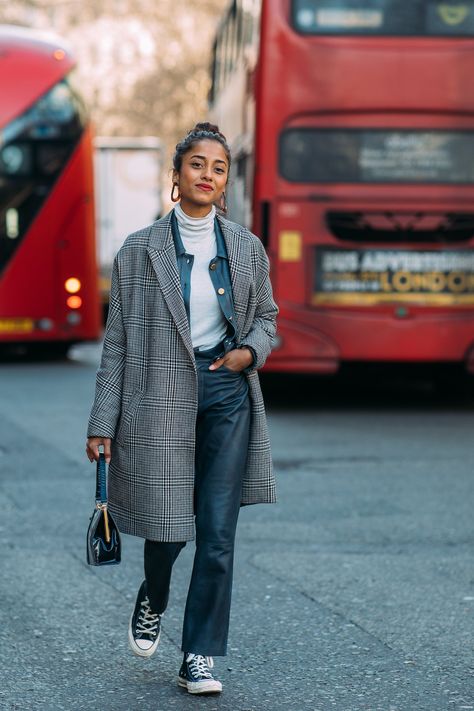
(195, 225)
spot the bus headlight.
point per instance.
(72, 285)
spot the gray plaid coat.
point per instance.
(146, 391)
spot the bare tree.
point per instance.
(142, 64)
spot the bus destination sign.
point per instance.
(371, 276)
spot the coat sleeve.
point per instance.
(108, 392)
(263, 330)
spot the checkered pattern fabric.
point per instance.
(146, 389)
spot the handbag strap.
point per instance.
(100, 489)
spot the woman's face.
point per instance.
(203, 176)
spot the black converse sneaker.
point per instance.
(196, 677)
(144, 626)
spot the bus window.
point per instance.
(376, 156)
(384, 17)
(34, 148)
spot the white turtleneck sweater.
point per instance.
(207, 322)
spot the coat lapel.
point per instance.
(162, 253)
(238, 252)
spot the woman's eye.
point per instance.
(196, 165)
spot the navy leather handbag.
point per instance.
(103, 537)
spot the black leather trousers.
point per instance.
(222, 434)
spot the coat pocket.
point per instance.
(126, 418)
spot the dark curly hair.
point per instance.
(200, 132)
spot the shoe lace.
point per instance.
(200, 665)
(147, 622)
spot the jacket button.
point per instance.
(212, 266)
(221, 291)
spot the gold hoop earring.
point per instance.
(223, 203)
(173, 198)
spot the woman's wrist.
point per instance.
(249, 353)
(253, 357)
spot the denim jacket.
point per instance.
(220, 277)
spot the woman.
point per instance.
(178, 406)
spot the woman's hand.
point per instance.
(237, 360)
(92, 448)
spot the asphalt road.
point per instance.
(354, 593)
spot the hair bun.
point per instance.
(208, 128)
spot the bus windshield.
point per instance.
(384, 17)
(34, 149)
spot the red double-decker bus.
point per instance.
(352, 126)
(48, 273)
